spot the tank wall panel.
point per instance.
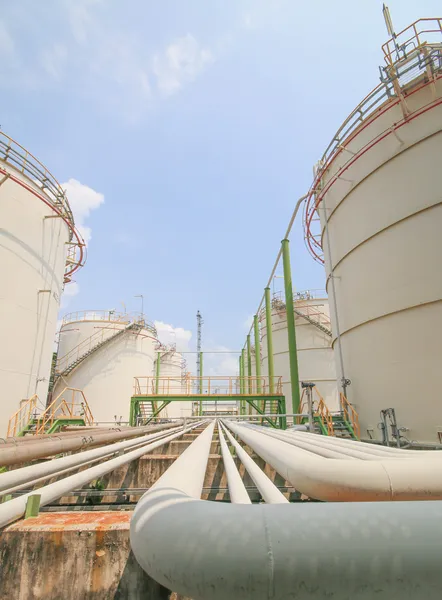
(32, 263)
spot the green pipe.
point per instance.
(201, 383)
(269, 332)
(243, 358)
(293, 353)
(249, 365)
(157, 382)
(257, 355)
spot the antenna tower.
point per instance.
(199, 323)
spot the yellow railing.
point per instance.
(33, 410)
(350, 415)
(320, 409)
(65, 408)
(205, 386)
(25, 413)
(421, 33)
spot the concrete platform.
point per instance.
(73, 556)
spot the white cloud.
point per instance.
(82, 200)
(181, 63)
(168, 334)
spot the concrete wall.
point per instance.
(384, 220)
(32, 265)
(71, 556)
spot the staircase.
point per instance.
(314, 322)
(343, 424)
(70, 407)
(70, 361)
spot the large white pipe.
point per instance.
(265, 486)
(237, 491)
(213, 550)
(346, 480)
(40, 471)
(14, 509)
(321, 445)
(375, 449)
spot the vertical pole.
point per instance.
(243, 358)
(293, 353)
(157, 381)
(257, 356)
(201, 382)
(249, 370)
(269, 339)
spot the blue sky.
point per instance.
(192, 127)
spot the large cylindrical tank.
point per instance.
(110, 349)
(37, 237)
(172, 367)
(315, 353)
(381, 219)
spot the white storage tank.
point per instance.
(100, 353)
(313, 340)
(39, 251)
(379, 200)
(172, 367)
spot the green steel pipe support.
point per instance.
(257, 358)
(201, 383)
(243, 358)
(293, 353)
(157, 383)
(269, 332)
(249, 370)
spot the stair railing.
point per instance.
(83, 347)
(350, 415)
(320, 410)
(23, 416)
(75, 407)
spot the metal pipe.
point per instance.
(269, 332)
(291, 330)
(265, 486)
(198, 548)
(346, 481)
(243, 402)
(286, 236)
(16, 454)
(257, 354)
(15, 508)
(52, 467)
(237, 491)
(201, 382)
(372, 448)
(157, 382)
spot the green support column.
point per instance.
(269, 332)
(257, 355)
(257, 360)
(249, 365)
(243, 358)
(157, 382)
(200, 383)
(293, 353)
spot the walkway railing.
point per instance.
(320, 410)
(71, 403)
(350, 415)
(109, 316)
(12, 153)
(416, 51)
(205, 386)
